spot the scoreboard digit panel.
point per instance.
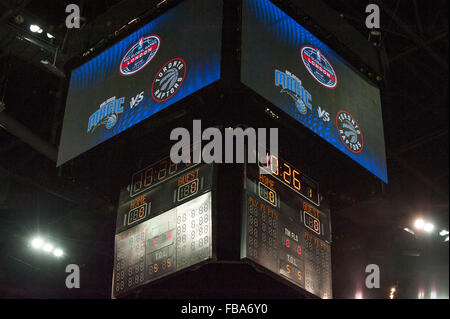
(169, 242)
(174, 190)
(286, 234)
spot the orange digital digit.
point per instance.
(288, 173)
(194, 187)
(155, 268)
(141, 211)
(272, 197)
(296, 181)
(299, 275)
(169, 262)
(316, 226)
(288, 269)
(274, 163)
(299, 250)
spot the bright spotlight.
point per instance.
(443, 233)
(37, 243)
(48, 247)
(428, 227)
(446, 240)
(358, 295)
(419, 223)
(35, 28)
(50, 36)
(58, 252)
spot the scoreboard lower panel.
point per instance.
(169, 242)
(285, 233)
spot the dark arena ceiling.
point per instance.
(36, 196)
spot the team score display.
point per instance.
(187, 190)
(155, 174)
(137, 214)
(311, 222)
(267, 194)
(292, 177)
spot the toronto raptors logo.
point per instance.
(139, 55)
(319, 67)
(349, 132)
(168, 80)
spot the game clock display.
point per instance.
(284, 232)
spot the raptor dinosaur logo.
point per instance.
(349, 132)
(168, 80)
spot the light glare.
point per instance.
(37, 243)
(419, 224)
(428, 227)
(48, 247)
(443, 233)
(35, 28)
(58, 252)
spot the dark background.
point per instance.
(76, 205)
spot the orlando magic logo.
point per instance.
(107, 114)
(168, 80)
(349, 132)
(292, 86)
(319, 67)
(139, 55)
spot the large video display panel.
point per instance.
(163, 62)
(294, 70)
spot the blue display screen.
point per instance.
(160, 64)
(294, 70)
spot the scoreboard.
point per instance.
(164, 223)
(285, 228)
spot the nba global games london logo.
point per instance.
(139, 55)
(349, 132)
(319, 67)
(168, 80)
